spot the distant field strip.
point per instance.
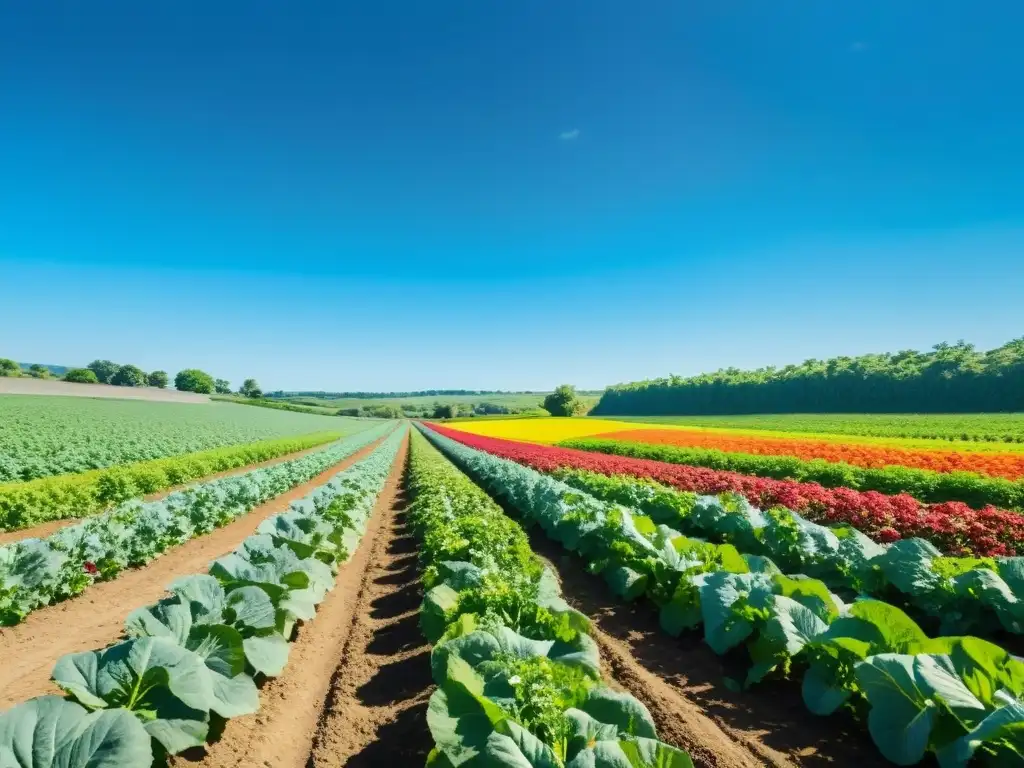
(1006, 465)
(553, 430)
(970, 427)
(46, 436)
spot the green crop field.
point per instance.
(984, 427)
(44, 436)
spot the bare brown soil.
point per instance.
(354, 691)
(682, 683)
(45, 529)
(95, 618)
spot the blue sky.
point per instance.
(404, 195)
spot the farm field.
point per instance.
(25, 385)
(382, 605)
(972, 427)
(46, 436)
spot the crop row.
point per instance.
(959, 698)
(72, 496)
(518, 676)
(38, 572)
(195, 656)
(45, 436)
(953, 527)
(926, 485)
(984, 596)
(867, 455)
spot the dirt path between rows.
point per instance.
(682, 682)
(45, 529)
(354, 691)
(95, 618)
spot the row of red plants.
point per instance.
(952, 526)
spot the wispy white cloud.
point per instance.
(858, 46)
(570, 135)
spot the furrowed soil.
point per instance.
(95, 618)
(356, 686)
(52, 526)
(682, 683)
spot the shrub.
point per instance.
(194, 380)
(158, 379)
(9, 368)
(348, 412)
(81, 376)
(129, 376)
(222, 387)
(564, 402)
(37, 371)
(104, 370)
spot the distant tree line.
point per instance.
(118, 375)
(398, 395)
(435, 411)
(951, 378)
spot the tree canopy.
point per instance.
(951, 378)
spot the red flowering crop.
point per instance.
(952, 526)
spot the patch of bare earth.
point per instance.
(26, 385)
(355, 688)
(682, 683)
(45, 529)
(95, 618)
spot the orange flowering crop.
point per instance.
(1008, 465)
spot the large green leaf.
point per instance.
(155, 676)
(650, 753)
(221, 648)
(267, 654)
(1002, 731)
(902, 691)
(51, 732)
(783, 635)
(438, 608)
(622, 710)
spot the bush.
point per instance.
(9, 368)
(37, 371)
(194, 380)
(250, 388)
(129, 376)
(564, 402)
(222, 387)
(348, 412)
(81, 376)
(446, 411)
(158, 379)
(104, 370)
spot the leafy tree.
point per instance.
(194, 380)
(37, 371)
(9, 368)
(222, 387)
(348, 412)
(448, 411)
(250, 388)
(104, 370)
(158, 379)
(129, 376)
(564, 402)
(81, 376)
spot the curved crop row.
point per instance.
(957, 698)
(983, 596)
(518, 676)
(196, 655)
(81, 495)
(828, 468)
(38, 572)
(953, 527)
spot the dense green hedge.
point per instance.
(952, 378)
(86, 493)
(923, 484)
